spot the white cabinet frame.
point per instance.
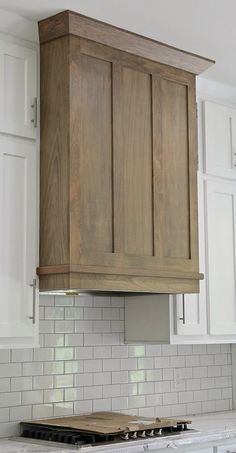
(18, 90)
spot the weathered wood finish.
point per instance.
(133, 163)
(118, 283)
(75, 268)
(69, 22)
(95, 155)
(176, 225)
(118, 171)
(54, 163)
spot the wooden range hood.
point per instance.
(118, 160)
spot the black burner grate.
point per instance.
(73, 436)
(67, 436)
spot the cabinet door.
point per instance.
(221, 253)
(18, 211)
(190, 315)
(220, 140)
(17, 90)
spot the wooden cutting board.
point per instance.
(110, 423)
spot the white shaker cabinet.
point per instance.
(18, 90)
(18, 239)
(221, 256)
(18, 196)
(212, 314)
(220, 140)
(210, 317)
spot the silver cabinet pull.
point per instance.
(33, 285)
(183, 309)
(35, 113)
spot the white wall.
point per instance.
(216, 91)
(18, 27)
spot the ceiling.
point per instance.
(205, 27)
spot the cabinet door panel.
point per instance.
(17, 238)
(176, 224)
(133, 163)
(190, 315)
(221, 217)
(220, 140)
(17, 89)
(96, 156)
(174, 169)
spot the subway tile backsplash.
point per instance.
(83, 365)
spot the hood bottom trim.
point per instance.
(115, 283)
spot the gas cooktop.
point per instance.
(102, 428)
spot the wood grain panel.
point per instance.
(63, 269)
(86, 27)
(135, 62)
(95, 151)
(193, 167)
(173, 181)
(54, 174)
(121, 283)
(133, 164)
(75, 185)
(176, 170)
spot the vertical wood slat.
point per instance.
(158, 174)
(133, 162)
(54, 171)
(172, 218)
(75, 185)
(118, 188)
(95, 155)
(175, 143)
(193, 164)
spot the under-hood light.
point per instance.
(83, 293)
(69, 292)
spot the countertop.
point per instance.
(213, 429)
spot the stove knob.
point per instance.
(125, 436)
(150, 433)
(133, 435)
(142, 434)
